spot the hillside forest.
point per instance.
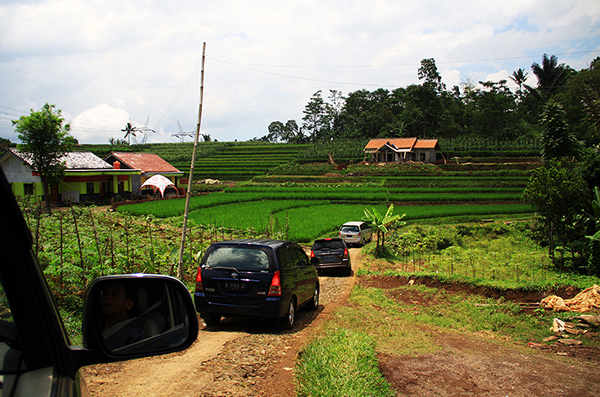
(484, 109)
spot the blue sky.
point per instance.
(107, 62)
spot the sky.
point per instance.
(105, 63)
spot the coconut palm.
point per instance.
(129, 130)
(552, 77)
(519, 76)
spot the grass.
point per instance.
(342, 364)
(406, 320)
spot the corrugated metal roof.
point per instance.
(147, 162)
(72, 160)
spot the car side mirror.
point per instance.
(129, 316)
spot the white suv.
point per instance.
(355, 233)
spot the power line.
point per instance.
(397, 64)
(187, 82)
(254, 66)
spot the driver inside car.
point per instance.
(118, 328)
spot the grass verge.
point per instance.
(342, 364)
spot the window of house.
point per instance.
(121, 186)
(422, 156)
(28, 188)
(89, 187)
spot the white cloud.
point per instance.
(99, 124)
(263, 62)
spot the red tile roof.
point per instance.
(426, 143)
(401, 143)
(147, 162)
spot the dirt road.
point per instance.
(246, 358)
(237, 358)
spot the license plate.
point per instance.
(234, 286)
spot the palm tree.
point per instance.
(519, 76)
(129, 130)
(552, 77)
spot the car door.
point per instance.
(289, 274)
(36, 358)
(304, 271)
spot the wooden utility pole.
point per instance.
(191, 176)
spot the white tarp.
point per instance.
(158, 182)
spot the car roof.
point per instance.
(255, 242)
(353, 223)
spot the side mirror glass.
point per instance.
(138, 315)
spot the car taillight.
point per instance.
(345, 252)
(275, 288)
(199, 286)
(312, 254)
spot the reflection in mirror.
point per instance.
(140, 315)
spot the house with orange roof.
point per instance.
(149, 163)
(398, 150)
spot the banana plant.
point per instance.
(380, 224)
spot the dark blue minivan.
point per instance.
(255, 277)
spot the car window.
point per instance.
(285, 261)
(240, 258)
(299, 258)
(303, 258)
(321, 244)
(10, 356)
(350, 229)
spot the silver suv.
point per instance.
(355, 233)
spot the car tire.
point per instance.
(288, 321)
(211, 319)
(348, 272)
(314, 301)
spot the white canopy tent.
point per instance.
(158, 182)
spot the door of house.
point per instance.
(54, 193)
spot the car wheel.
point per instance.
(211, 319)
(348, 271)
(314, 302)
(288, 321)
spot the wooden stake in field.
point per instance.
(191, 176)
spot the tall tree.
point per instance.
(46, 139)
(316, 120)
(519, 76)
(558, 194)
(287, 132)
(129, 131)
(552, 77)
(557, 141)
(429, 72)
(582, 102)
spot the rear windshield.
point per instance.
(240, 258)
(328, 244)
(353, 229)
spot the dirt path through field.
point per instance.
(237, 358)
(255, 359)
